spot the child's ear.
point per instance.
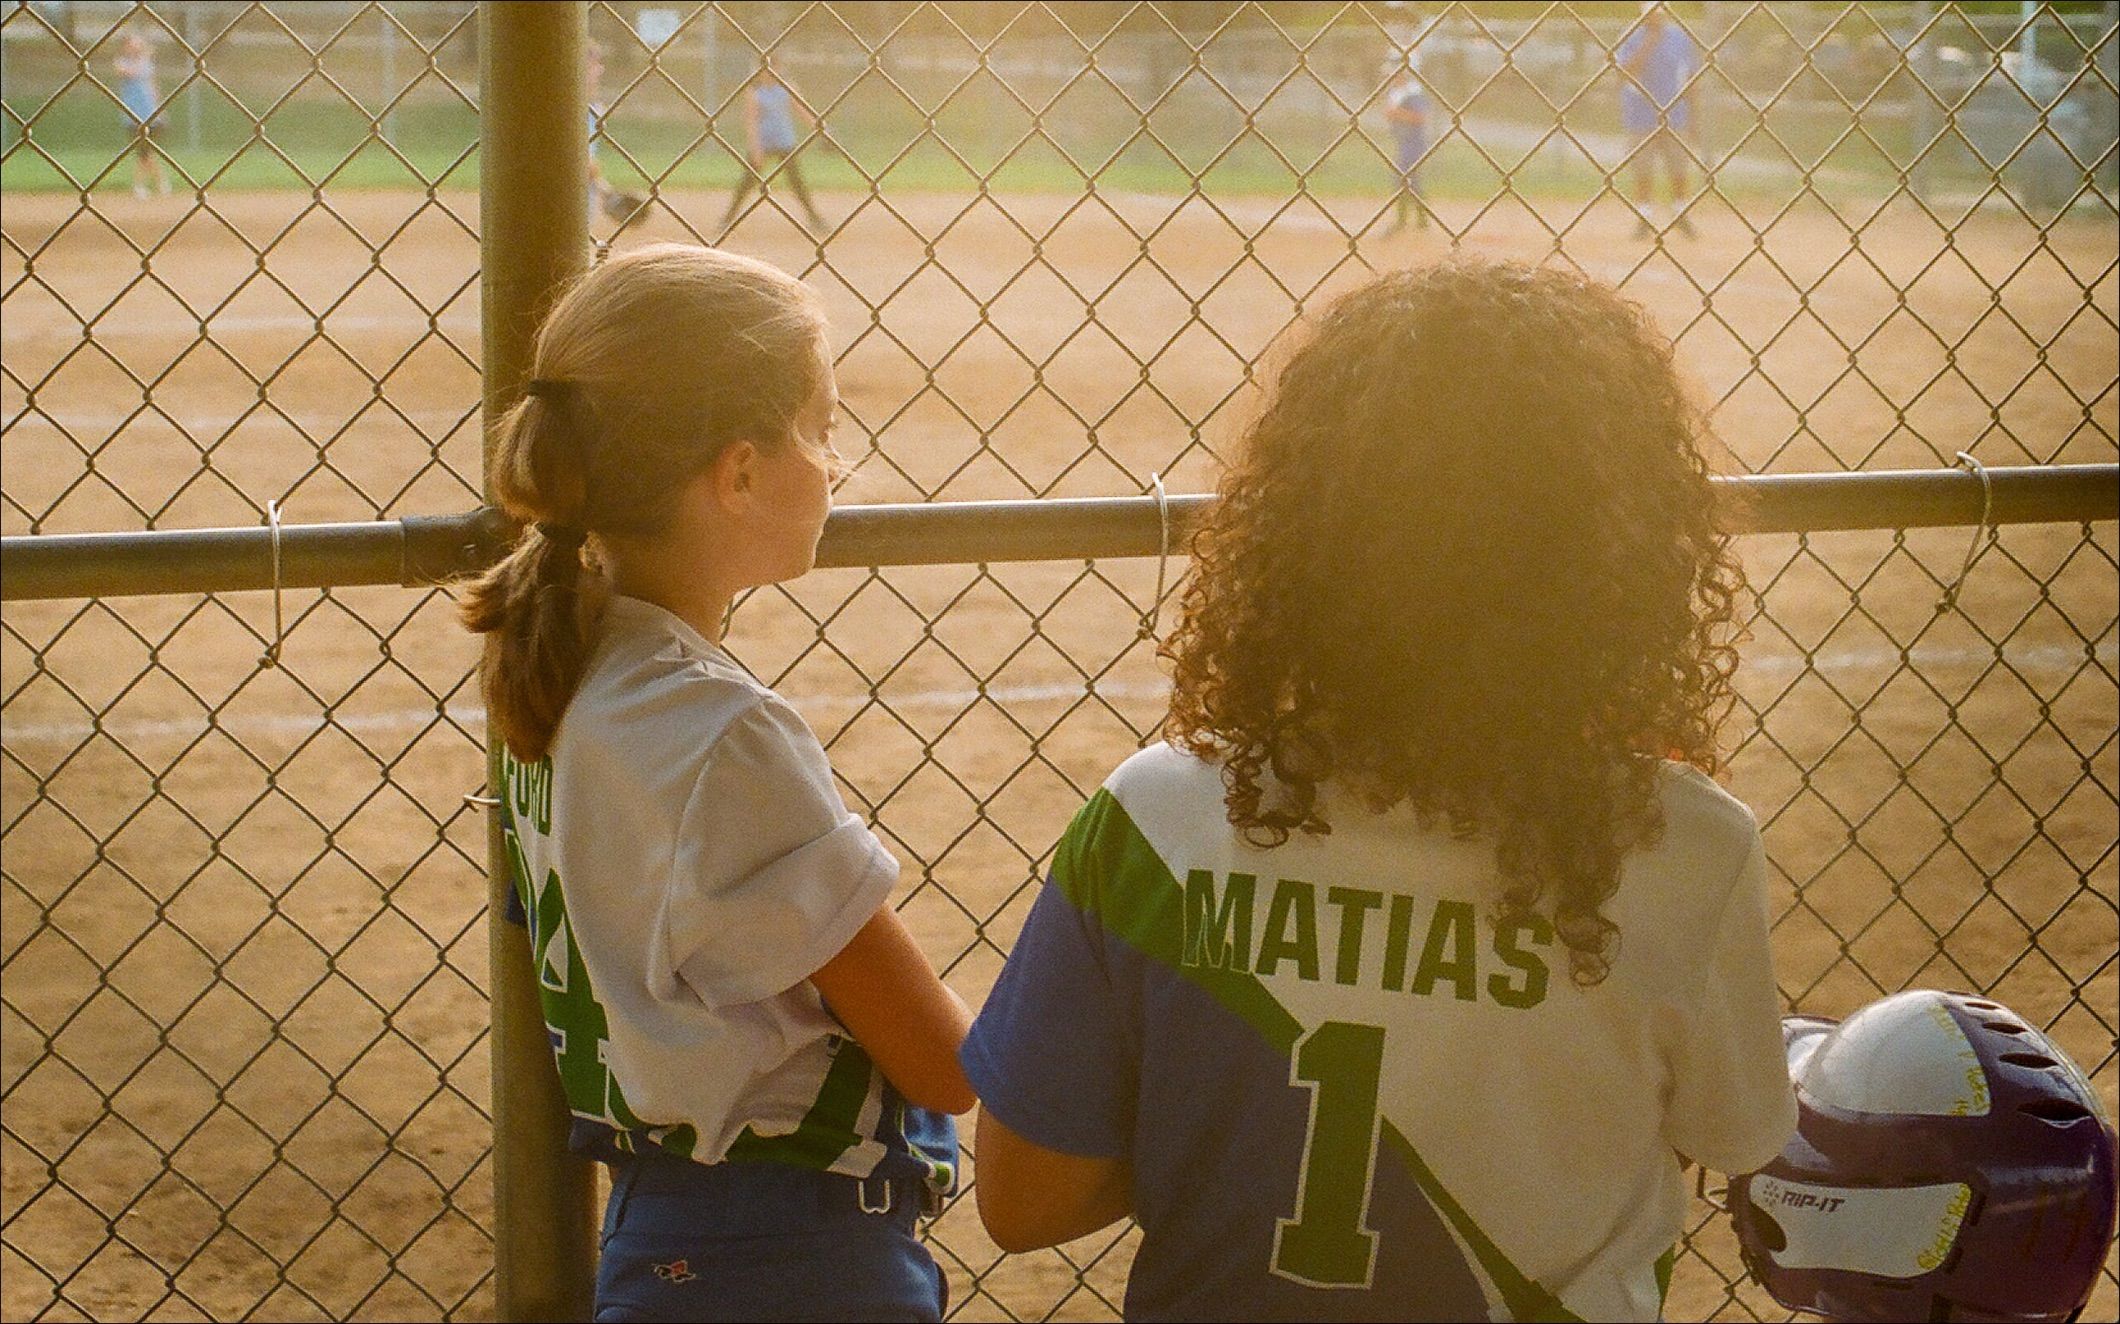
(735, 471)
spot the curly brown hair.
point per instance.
(1468, 560)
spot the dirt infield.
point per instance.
(324, 1090)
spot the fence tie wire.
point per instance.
(1155, 604)
(271, 656)
(1965, 460)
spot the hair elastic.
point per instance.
(566, 536)
(549, 388)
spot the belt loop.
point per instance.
(866, 1201)
(622, 1178)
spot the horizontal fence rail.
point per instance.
(431, 549)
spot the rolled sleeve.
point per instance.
(773, 877)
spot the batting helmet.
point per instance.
(1949, 1163)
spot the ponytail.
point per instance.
(539, 606)
(611, 428)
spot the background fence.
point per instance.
(242, 1032)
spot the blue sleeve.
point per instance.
(1051, 1055)
(1628, 47)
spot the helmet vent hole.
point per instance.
(2028, 1059)
(1984, 1006)
(2005, 1027)
(2059, 1112)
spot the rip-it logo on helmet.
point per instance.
(1950, 1162)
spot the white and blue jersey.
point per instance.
(1346, 1092)
(685, 864)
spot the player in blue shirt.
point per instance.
(1406, 110)
(770, 138)
(1657, 104)
(1396, 980)
(142, 104)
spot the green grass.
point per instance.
(79, 142)
(1451, 173)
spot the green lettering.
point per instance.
(1507, 937)
(518, 789)
(1452, 926)
(519, 870)
(1217, 932)
(574, 1019)
(528, 789)
(1297, 901)
(1329, 1242)
(1398, 925)
(1355, 904)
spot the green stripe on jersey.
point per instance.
(1106, 867)
(829, 1129)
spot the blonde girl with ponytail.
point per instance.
(744, 1029)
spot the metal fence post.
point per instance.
(533, 235)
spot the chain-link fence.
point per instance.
(242, 1033)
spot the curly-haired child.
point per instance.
(1402, 979)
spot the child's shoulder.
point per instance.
(1697, 809)
(1680, 884)
(654, 683)
(1161, 769)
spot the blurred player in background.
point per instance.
(1396, 980)
(593, 92)
(135, 67)
(620, 207)
(1406, 110)
(1657, 105)
(770, 138)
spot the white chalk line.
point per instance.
(2048, 659)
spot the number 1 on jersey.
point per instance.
(1328, 1243)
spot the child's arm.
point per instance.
(1031, 1197)
(883, 990)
